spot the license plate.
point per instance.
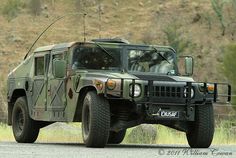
(169, 114)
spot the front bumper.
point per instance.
(165, 100)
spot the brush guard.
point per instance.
(177, 93)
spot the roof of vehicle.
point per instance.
(67, 45)
(54, 46)
(111, 40)
(105, 41)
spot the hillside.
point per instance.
(192, 26)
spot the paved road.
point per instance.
(57, 150)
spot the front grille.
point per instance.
(163, 91)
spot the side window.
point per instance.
(58, 56)
(39, 66)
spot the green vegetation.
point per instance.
(217, 6)
(234, 3)
(12, 8)
(6, 133)
(175, 38)
(3, 86)
(208, 18)
(229, 66)
(225, 12)
(146, 22)
(35, 7)
(224, 134)
(164, 136)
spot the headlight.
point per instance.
(185, 92)
(137, 90)
(111, 84)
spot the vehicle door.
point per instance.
(39, 88)
(56, 88)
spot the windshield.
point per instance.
(154, 61)
(96, 57)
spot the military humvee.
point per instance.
(109, 85)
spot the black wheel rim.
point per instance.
(86, 122)
(20, 121)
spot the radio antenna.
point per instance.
(99, 17)
(56, 20)
(84, 27)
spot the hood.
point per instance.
(164, 78)
(107, 74)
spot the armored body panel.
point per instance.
(109, 86)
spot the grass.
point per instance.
(6, 133)
(71, 133)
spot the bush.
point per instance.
(12, 9)
(234, 3)
(35, 7)
(208, 18)
(175, 39)
(229, 66)
(143, 134)
(217, 6)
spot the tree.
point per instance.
(175, 39)
(229, 66)
(218, 7)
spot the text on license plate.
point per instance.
(169, 114)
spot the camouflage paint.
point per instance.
(51, 99)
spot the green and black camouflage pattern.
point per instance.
(60, 99)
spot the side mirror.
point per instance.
(188, 65)
(59, 68)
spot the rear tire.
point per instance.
(201, 131)
(95, 120)
(116, 137)
(25, 129)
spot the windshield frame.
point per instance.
(149, 48)
(124, 55)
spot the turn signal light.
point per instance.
(210, 88)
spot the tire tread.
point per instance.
(201, 131)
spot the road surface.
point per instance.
(73, 150)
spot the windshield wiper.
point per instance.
(155, 50)
(108, 53)
(104, 50)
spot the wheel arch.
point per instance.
(83, 91)
(16, 94)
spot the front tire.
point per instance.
(201, 131)
(95, 120)
(25, 129)
(116, 137)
